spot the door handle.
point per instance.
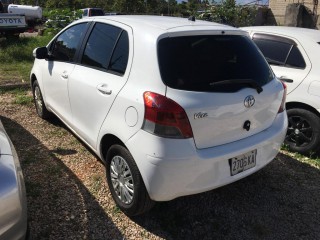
(65, 75)
(285, 79)
(104, 89)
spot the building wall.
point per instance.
(278, 9)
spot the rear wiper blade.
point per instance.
(249, 82)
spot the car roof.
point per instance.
(163, 23)
(296, 32)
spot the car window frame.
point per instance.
(84, 43)
(78, 48)
(280, 39)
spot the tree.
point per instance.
(230, 13)
(193, 6)
(132, 6)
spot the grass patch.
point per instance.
(96, 183)
(16, 58)
(21, 96)
(313, 159)
(23, 100)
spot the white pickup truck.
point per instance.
(12, 24)
(18, 18)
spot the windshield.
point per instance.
(97, 12)
(195, 63)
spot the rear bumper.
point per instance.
(172, 168)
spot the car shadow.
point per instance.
(58, 201)
(280, 201)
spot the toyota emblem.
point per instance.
(249, 101)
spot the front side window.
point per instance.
(66, 44)
(198, 63)
(107, 49)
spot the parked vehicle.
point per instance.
(13, 203)
(18, 19)
(91, 12)
(32, 13)
(12, 24)
(172, 106)
(293, 54)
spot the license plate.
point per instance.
(243, 162)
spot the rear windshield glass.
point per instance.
(197, 63)
(97, 12)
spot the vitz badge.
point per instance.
(200, 115)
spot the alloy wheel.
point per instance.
(38, 100)
(122, 180)
(300, 132)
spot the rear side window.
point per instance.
(273, 50)
(119, 58)
(295, 59)
(107, 49)
(196, 63)
(65, 46)
(281, 53)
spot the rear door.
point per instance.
(286, 57)
(218, 80)
(97, 80)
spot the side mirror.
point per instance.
(41, 53)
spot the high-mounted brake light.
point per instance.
(164, 117)
(283, 102)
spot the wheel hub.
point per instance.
(299, 132)
(122, 180)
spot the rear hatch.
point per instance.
(225, 86)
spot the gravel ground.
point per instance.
(68, 197)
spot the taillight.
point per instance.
(283, 103)
(164, 117)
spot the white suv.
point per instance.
(172, 106)
(294, 56)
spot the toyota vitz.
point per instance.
(172, 106)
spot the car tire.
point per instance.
(41, 109)
(303, 134)
(125, 182)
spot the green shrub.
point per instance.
(57, 19)
(16, 58)
(231, 14)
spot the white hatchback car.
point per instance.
(172, 106)
(294, 56)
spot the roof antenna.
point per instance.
(192, 18)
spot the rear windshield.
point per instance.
(97, 12)
(197, 63)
